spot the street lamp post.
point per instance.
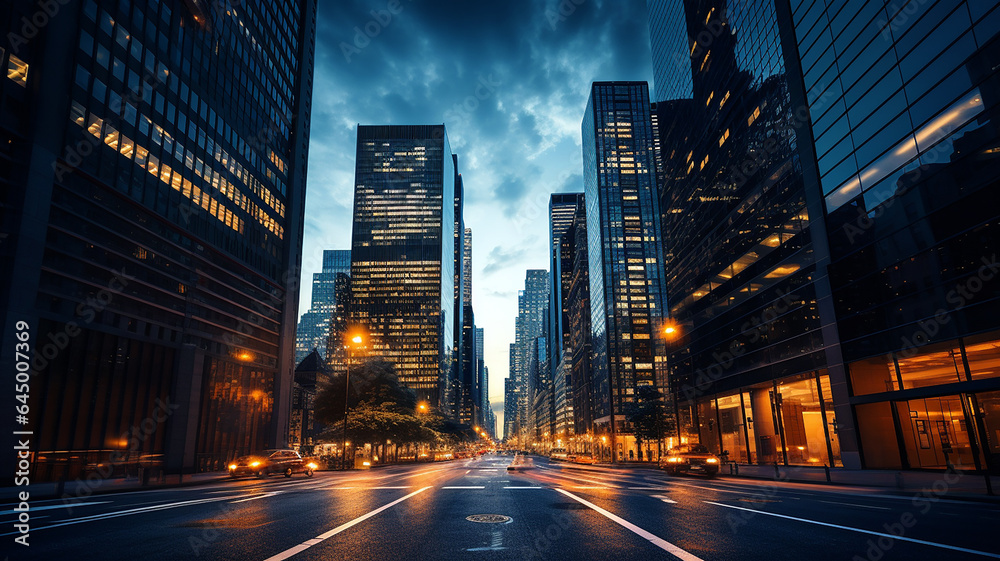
(357, 340)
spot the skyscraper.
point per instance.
(561, 209)
(403, 253)
(900, 119)
(330, 291)
(532, 305)
(749, 366)
(152, 227)
(578, 304)
(626, 283)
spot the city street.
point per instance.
(553, 511)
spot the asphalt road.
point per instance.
(554, 511)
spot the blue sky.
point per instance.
(509, 79)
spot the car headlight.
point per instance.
(254, 464)
(312, 465)
(232, 466)
(712, 460)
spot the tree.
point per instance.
(374, 383)
(647, 415)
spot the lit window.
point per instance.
(722, 139)
(703, 163)
(753, 116)
(725, 98)
(17, 70)
(709, 100)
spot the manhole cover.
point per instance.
(488, 518)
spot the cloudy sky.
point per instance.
(510, 80)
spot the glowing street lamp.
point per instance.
(354, 342)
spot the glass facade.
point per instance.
(625, 256)
(902, 103)
(402, 253)
(329, 298)
(578, 304)
(738, 246)
(156, 228)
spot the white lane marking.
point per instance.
(464, 487)
(655, 540)
(521, 487)
(869, 532)
(67, 505)
(852, 504)
(575, 477)
(130, 512)
(309, 543)
(664, 499)
(264, 496)
(720, 490)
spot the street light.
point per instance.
(353, 342)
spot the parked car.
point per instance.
(690, 458)
(262, 464)
(558, 455)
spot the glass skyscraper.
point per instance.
(152, 227)
(749, 364)
(330, 293)
(403, 253)
(902, 113)
(625, 255)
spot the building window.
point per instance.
(17, 71)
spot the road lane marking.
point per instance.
(664, 499)
(67, 505)
(464, 487)
(869, 532)
(106, 515)
(852, 504)
(264, 496)
(521, 487)
(655, 540)
(329, 534)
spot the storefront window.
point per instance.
(936, 433)
(708, 430)
(873, 375)
(933, 365)
(878, 436)
(731, 427)
(983, 353)
(802, 421)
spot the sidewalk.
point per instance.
(959, 485)
(82, 488)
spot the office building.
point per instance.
(625, 256)
(330, 293)
(403, 254)
(751, 364)
(153, 193)
(902, 127)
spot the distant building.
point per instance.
(314, 325)
(403, 254)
